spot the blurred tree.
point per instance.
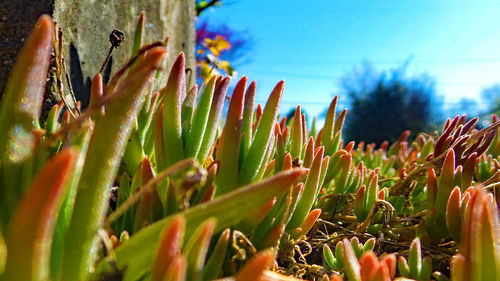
(383, 105)
(491, 96)
(468, 106)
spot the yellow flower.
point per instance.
(217, 45)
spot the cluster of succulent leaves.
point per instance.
(152, 183)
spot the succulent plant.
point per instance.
(153, 182)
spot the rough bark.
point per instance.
(17, 18)
(87, 24)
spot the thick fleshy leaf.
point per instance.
(173, 96)
(197, 247)
(139, 31)
(327, 133)
(480, 236)
(150, 207)
(106, 145)
(296, 142)
(369, 245)
(351, 263)
(258, 115)
(440, 145)
(445, 185)
(273, 237)
(257, 150)
(309, 195)
(22, 100)
(159, 143)
(3, 252)
(200, 120)
(80, 142)
(177, 270)
(255, 267)
(458, 269)
(134, 153)
(371, 194)
(343, 176)
(426, 272)
(30, 233)
(227, 175)
(213, 267)
(19, 111)
(454, 214)
(247, 122)
(169, 247)
(147, 124)
(431, 186)
(228, 209)
(369, 265)
(359, 203)
(187, 112)
(338, 125)
(389, 263)
(403, 267)
(51, 124)
(257, 216)
(415, 258)
(329, 258)
(96, 92)
(267, 158)
(308, 223)
(213, 119)
(304, 130)
(468, 172)
(356, 246)
(426, 151)
(309, 154)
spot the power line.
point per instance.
(375, 9)
(326, 77)
(385, 62)
(300, 75)
(327, 102)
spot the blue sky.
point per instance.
(312, 43)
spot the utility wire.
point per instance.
(345, 105)
(326, 77)
(385, 62)
(376, 9)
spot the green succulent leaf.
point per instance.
(169, 248)
(213, 267)
(101, 165)
(310, 190)
(197, 247)
(227, 209)
(213, 119)
(257, 150)
(229, 143)
(200, 119)
(20, 109)
(30, 233)
(173, 96)
(247, 122)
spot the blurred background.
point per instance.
(394, 64)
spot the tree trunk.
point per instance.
(86, 26)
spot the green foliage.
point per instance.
(147, 184)
(415, 267)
